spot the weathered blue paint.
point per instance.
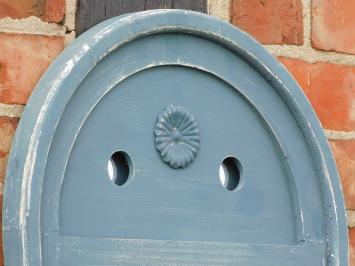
(103, 94)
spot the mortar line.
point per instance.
(351, 218)
(31, 25)
(339, 135)
(219, 9)
(311, 55)
(70, 10)
(11, 110)
(307, 21)
(305, 52)
(69, 38)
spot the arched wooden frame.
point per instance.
(27, 162)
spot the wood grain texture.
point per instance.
(91, 12)
(94, 251)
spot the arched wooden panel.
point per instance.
(118, 156)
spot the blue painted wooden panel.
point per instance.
(107, 93)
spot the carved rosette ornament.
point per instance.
(177, 136)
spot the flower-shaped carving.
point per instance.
(177, 136)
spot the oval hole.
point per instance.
(119, 168)
(229, 173)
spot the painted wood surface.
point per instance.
(106, 93)
(91, 12)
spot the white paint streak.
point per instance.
(31, 25)
(11, 110)
(31, 157)
(101, 34)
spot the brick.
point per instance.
(48, 10)
(54, 10)
(344, 154)
(269, 21)
(331, 90)
(352, 246)
(23, 59)
(333, 25)
(17, 8)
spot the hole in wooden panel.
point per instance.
(230, 172)
(119, 168)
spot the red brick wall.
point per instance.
(315, 41)
(47, 10)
